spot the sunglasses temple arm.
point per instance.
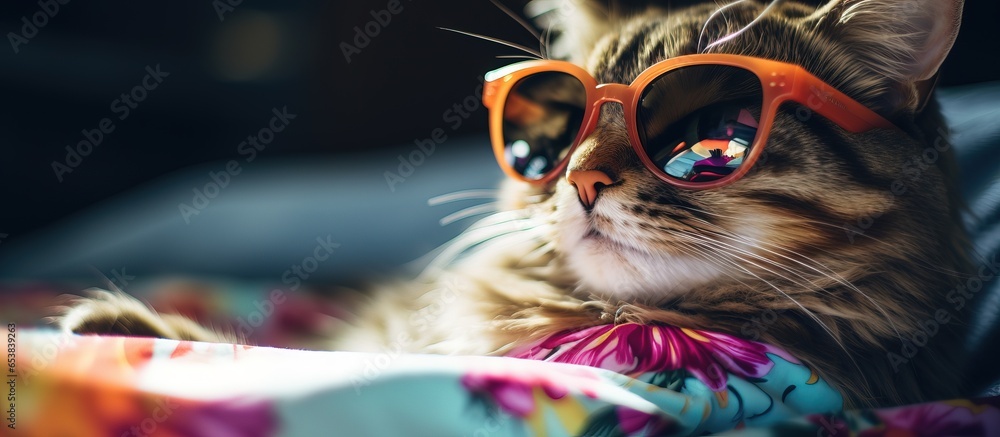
(836, 106)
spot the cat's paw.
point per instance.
(106, 313)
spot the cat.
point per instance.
(816, 235)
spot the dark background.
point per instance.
(225, 76)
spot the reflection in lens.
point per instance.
(542, 116)
(698, 123)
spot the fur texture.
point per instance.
(814, 234)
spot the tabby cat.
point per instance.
(839, 240)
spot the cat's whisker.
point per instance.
(462, 195)
(515, 57)
(513, 238)
(512, 45)
(829, 274)
(815, 318)
(732, 259)
(701, 211)
(853, 232)
(502, 218)
(727, 246)
(499, 218)
(712, 258)
(728, 249)
(770, 284)
(502, 227)
(814, 222)
(884, 243)
(735, 257)
(468, 212)
(479, 235)
(807, 311)
(542, 250)
(773, 245)
(755, 243)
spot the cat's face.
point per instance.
(781, 222)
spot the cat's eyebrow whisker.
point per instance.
(468, 212)
(524, 23)
(546, 42)
(462, 195)
(520, 47)
(537, 8)
(701, 35)
(771, 6)
(822, 11)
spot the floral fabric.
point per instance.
(625, 380)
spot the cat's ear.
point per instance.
(906, 40)
(571, 27)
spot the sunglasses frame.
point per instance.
(780, 82)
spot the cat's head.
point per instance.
(794, 214)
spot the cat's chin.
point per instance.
(615, 269)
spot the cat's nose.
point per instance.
(588, 183)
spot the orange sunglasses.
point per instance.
(696, 121)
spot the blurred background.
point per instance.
(224, 70)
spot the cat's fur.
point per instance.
(778, 241)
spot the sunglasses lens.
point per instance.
(698, 123)
(541, 117)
